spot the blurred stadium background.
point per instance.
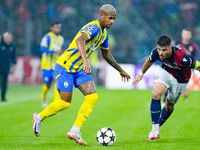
(138, 25)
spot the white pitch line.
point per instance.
(21, 100)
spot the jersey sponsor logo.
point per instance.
(173, 66)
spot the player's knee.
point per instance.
(64, 104)
(156, 95)
(92, 98)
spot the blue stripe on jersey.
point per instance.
(76, 51)
(100, 38)
(79, 66)
(72, 66)
(69, 50)
(82, 63)
(90, 54)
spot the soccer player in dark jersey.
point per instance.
(173, 76)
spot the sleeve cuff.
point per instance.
(106, 48)
(86, 33)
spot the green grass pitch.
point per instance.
(125, 111)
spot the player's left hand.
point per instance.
(125, 76)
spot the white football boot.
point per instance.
(76, 137)
(154, 134)
(37, 123)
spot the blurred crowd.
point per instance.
(138, 25)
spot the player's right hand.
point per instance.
(137, 79)
(86, 67)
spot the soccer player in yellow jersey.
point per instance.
(50, 47)
(73, 68)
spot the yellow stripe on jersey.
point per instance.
(71, 59)
(53, 43)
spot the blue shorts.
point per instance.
(48, 75)
(65, 80)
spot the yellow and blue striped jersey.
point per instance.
(71, 59)
(49, 45)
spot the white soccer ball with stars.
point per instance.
(106, 136)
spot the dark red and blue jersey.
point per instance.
(179, 64)
(190, 47)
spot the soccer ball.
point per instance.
(106, 136)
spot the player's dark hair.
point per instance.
(187, 29)
(54, 23)
(164, 41)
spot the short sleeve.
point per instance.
(154, 55)
(45, 41)
(91, 30)
(105, 44)
(188, 61)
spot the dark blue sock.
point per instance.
(165, 96)
(164, 116)
(155, 109)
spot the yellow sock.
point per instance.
(45, 90)
(86, 109)
(56, 93)
(54, 107)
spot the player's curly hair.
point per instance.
(164, 41)
(108, 9)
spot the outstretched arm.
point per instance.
(81, 47)
(109, 58)
(145, 67)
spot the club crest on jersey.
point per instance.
(66, 84)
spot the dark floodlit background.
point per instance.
(134, 33)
